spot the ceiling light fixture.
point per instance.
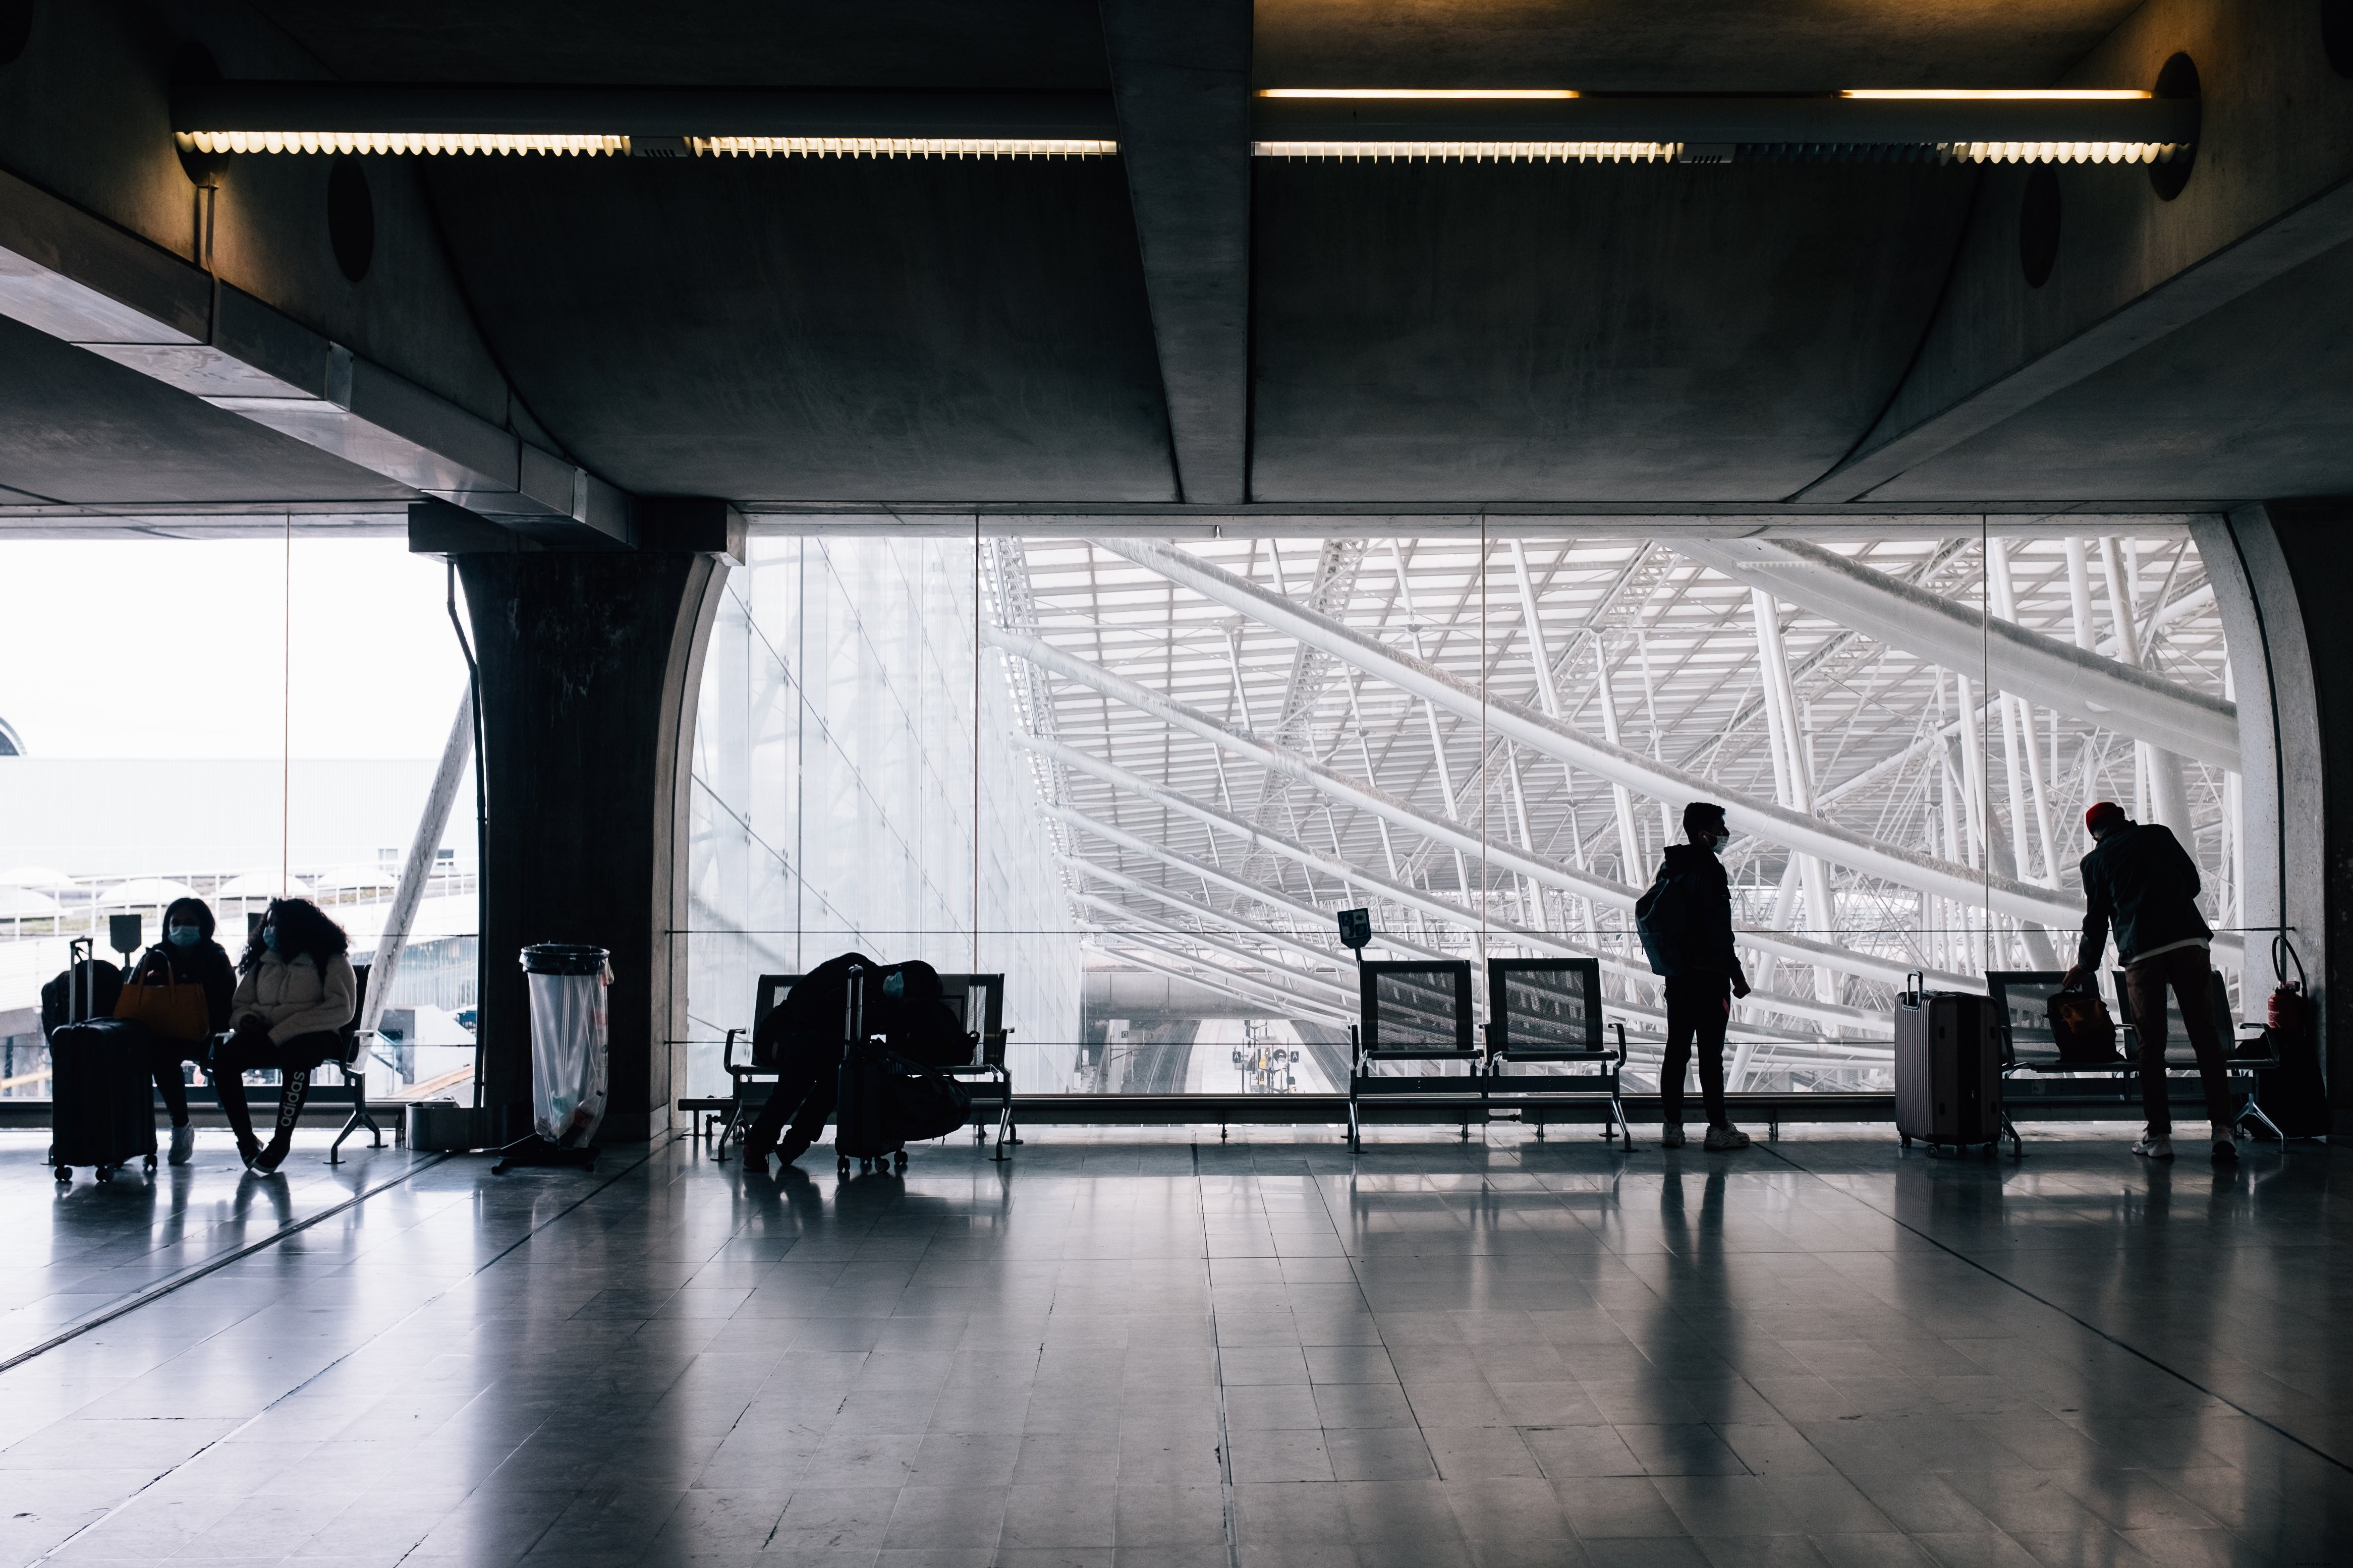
(897, 147)
(2002, 94)
(389, 142)
(1475, 151)
(1446, 92)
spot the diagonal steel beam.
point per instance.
(1617, 895)
(1440, 909)
(1796, 830)
(1335, 996)
(2008, 655)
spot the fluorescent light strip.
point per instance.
(426, 142)
(1476, 152)
(1456, 92)
(2004, 94)
(2060, 151)
(896, 147)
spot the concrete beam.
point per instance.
(2013, 658)
(1180, 75)
(2271, 190)
(84, 282)
(1775, 824)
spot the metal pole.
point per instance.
(423, 849)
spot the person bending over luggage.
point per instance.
(2140, 881)
(1685, 922)
(801, 1040)
(189, 956)
(296, 990)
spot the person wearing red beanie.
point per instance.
(2138, 879)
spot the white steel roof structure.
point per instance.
(1488, 738)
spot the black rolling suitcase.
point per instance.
(1948, 1069)
(102, 1107)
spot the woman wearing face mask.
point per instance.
(295, 990)
(190, 955)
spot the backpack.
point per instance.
(1662, 918)
(2082, 1028)
(94, 981)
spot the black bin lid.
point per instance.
(562, 958)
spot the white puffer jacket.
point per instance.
(293, 998)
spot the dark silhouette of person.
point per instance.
(801, 1038)
(2140, 881)
(189, 956)
(295, 992)
(1685, 922)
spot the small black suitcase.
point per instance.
(860, 1129)
(1948, 1069)
(102, 1112)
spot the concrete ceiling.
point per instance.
(784, 333)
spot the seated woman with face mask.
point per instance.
(296, 990)
(187, 956)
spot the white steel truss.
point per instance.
(1488, 741)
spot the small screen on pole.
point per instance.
(1356, 928)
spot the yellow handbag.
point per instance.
(172, 1009)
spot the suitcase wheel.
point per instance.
(65, 1175)
(841, 1165)
(901, 1160)
(105, 1173)
(151, 1162)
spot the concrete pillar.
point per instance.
(2292, 666)
(590, 665)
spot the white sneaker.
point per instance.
(1721, 1138)
(184, 1145)
(2155, 1146)
(1670, 1136)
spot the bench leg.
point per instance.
(1004, 1129)
(2009, 1130)
(2253, 1111)
(1624, 1126)
(1356, 1137)
(358, 1119)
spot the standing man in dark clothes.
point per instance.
(2139, 879)
(1685, 922)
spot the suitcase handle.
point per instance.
(1915, 984)
(853, 1010)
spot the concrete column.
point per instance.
(590, 667)
(2292, 666)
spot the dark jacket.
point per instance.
(1693, 937)
(2141, 881)
(808, 1022)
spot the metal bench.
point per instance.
(2038, 1087)
(1545, 1015)
(978, 1000)
(1415, 1013)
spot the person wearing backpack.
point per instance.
(186, 956)
(801, 1040)
(295, 992)
(1685, 922)
(2138, 879)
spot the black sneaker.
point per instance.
(2226, 1150)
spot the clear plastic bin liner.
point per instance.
(569, 1051)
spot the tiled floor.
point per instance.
(1123, 1349)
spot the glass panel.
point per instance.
(237, 718)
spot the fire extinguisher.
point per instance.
(2287, 1010)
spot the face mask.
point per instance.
(184, 936)
(1716, 841)
(269, 938)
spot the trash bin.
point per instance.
(568, 1040)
